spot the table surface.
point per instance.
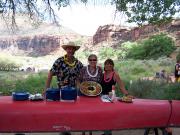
(86, 113)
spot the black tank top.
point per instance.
(107, 86)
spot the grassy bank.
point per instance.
(131, 72)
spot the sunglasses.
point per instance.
(92, 59)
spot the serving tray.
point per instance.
(90, 88)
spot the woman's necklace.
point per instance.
(108, 79)
(87, 69)
(69, 64)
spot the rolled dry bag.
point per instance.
(20, 96)
(68, 93)
(53, 94)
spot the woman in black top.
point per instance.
(110, 78)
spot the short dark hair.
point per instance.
(92, 55)
(109, 61)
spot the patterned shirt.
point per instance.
(65, 72)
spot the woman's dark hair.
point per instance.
(109, 61)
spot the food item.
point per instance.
(90, 88)
(127, 99)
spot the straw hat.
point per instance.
(70, 44)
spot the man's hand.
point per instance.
(44, 92)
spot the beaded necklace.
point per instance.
(108, 79)
(69, 64)
(87, 69)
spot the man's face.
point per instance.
(70, 51)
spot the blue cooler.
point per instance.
(68, 93)
(53, 94)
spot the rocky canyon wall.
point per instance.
(37, 45)
(119, 33)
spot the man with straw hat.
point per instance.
(66, 69)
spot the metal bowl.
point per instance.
(90, 88)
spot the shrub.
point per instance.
(178, 56)
(106, 52)
(136, 52)
(33, 83)
(155, 89)
(6, 65)
(123, 49)
(119, 52)
(154, 47)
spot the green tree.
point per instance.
(151, 11)
(138, 11)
